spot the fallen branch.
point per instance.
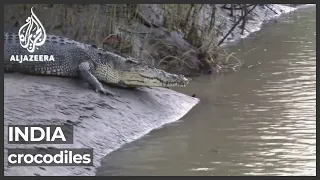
(234, 7)
(235, 25)
(232, 55)
(271, 9)
(249, 51)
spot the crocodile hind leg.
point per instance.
(87, 76)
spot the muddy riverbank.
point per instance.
(156, 35)
(103, 123)
(259, 121)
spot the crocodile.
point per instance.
(65, 57)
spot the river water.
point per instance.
(260, 120)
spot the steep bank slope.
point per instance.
(112, 122)
(166, 45)
(103, 123)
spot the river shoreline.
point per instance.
(262, 16)
(264, 20)
(100, 122)
(266, 112)
(196, 60)
(118, 129)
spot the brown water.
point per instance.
(258, 121)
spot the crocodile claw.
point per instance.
(106, 92)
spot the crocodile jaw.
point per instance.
(133, 73)
(153, 78)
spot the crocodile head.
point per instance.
(139, 73)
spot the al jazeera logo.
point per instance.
(32, 35)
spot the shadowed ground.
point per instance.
(102, 122)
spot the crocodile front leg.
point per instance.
(87, 76)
